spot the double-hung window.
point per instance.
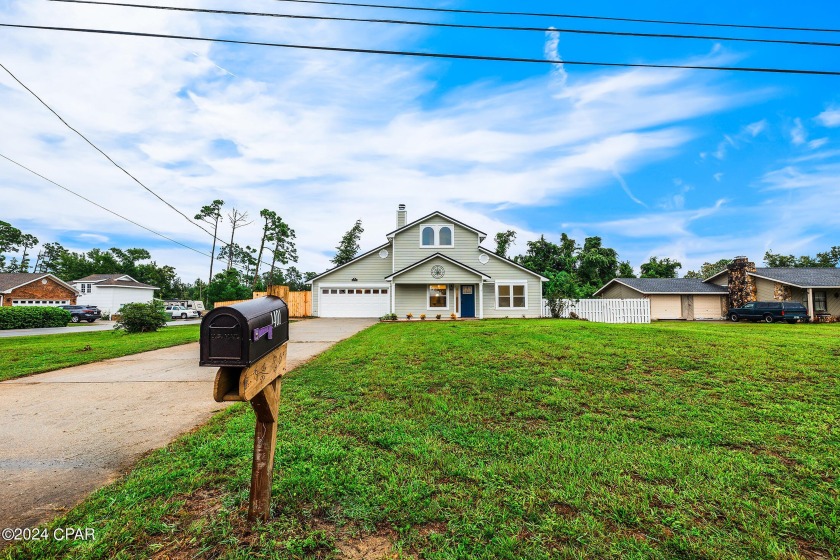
(511, 295)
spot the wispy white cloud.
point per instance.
(798, 134)
(830, 117)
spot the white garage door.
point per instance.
(354, 302)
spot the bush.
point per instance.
(34, 317)
(142, 317)
(389, 317)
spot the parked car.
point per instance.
(89, 313)
(769, 312)
(188, 303)
(177, 311)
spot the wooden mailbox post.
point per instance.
(249, 342)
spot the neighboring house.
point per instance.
(671, 298)
(434, 265)
(818, 289)
(110, 291)
(26, 288)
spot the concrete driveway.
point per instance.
(65, 433)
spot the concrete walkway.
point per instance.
(65, 433)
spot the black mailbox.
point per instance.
(241, 334)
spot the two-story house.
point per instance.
(434, 265)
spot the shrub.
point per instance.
(34, 317)
(437, 316)
(422, 316)
(389, 317)
(409, 316)
(142, 317)
(453, 316)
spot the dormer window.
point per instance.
(436, 236)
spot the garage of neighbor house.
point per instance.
(671, 298)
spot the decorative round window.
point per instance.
(438, 271)
(483, 258)
(383, 253)
(44, 281)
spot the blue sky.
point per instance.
(692, 165)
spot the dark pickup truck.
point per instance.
(78, 313)
(770, 312)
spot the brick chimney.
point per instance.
(742, 287)
(402, 216)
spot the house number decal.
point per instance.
(438, 271)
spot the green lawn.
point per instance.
(511, 439)
(25, 355)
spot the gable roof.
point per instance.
(12, 280)
(363, 255)
(511, 262)
(802, 277)
(444, 257)
(810, 277)
(481, 234)
(94, 278)
(652, 286)
(114, 281)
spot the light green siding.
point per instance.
(369, 269)
(413, 298)
(423, 274)
(407, 249)
(534, 297)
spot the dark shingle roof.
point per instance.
(9, 280)
(672, 286)
(100, 277)
(803, 277)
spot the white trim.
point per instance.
(442, 256)
(133, 287)
(480, 233)
(429, 297)
(354, 285)
(363, 255)
(512, 283)
(508, 261)
(481, 300)
(394, 297)
(436, 236)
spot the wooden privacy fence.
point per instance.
(299, 303)
(605, 310)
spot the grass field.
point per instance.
(510, 439)
(25, 355)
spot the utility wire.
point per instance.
(104, 208)
(456, 25)
(570, 16)
(85, 138)
(431, 55)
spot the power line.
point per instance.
(456, 25)
(555, 15)
(95, 147)
(432, 55)
(103, 207)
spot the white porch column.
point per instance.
(480, 298)
(811, 310)
(393, 297)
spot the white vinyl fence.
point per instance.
(606, 310)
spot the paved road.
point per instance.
(91, 327)
(68, 432)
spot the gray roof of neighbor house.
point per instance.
(11, 280)
(113, 281)
(669, 286)
(802, 277)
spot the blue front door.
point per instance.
(467, 301)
